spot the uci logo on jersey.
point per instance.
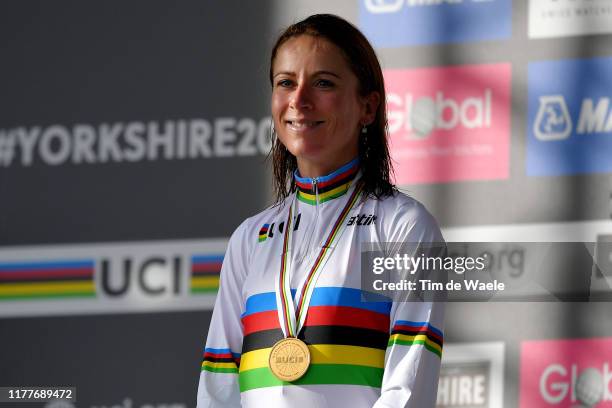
(267, 230)
(553, 121)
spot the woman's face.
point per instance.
(317, 110)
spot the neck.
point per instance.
(328, 186)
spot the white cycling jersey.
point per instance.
(363, 354)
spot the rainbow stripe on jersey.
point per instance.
(332, 186)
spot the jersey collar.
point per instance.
(328, 187)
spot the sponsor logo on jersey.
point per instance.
(557, 18)
(449, 123)
(566, 373)
(570, 117)
(397, 23)
(361, 219)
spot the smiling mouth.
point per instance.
(303, 124)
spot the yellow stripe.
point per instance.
(418, 337)
(204, 282)
(322, 354)
(218, 365)
(47, 287)
(326, 194)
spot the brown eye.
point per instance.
(324, 83)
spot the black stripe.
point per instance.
(219, 359)
(200, 273)
(416, 332)
(337, 184)
(49, 279)
(341, 335)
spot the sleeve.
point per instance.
(414, 350)
(218, 386)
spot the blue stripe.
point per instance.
(221, 351)
(20, 266)
(206, 258)
(327, 296)
(323, 179)
(419, 324)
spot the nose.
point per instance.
(301, 98)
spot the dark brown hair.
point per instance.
(374, 157)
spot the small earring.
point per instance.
(364, 129)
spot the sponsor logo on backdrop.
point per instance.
(557, 18)
(397, 23)
(566, 373)
(449, 123)
(121, 277)
(471, 375)
(570, 117)
(129, 142)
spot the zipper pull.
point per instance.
(316, 189)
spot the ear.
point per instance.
(370, 106)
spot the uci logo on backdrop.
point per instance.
(397, 23)
(569, 117)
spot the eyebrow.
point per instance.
(316, 73)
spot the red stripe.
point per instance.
(422, 329)
(206, 267)
(347, 316)
(38, 274)
(222, 355)
(321, 316)
(339, 177)
(349, 172)
(260, 321)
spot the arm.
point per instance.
(218, 385)
(412, 358)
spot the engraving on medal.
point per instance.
(289, 359)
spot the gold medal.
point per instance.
(289, 359)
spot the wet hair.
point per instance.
(374, 159)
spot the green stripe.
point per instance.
(205, 290)
(42, 296)
(331, 197)
(316, 374)
(410, 343)
(304, 199)
(220, 370)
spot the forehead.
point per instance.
(307, 51)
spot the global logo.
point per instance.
(553, 121)
(418, 117)
(566, 373)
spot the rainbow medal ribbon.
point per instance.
(290, 358)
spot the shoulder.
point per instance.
(249, 230)
(403, 216)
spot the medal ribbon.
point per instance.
(287, 311)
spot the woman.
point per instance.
(289, 326)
